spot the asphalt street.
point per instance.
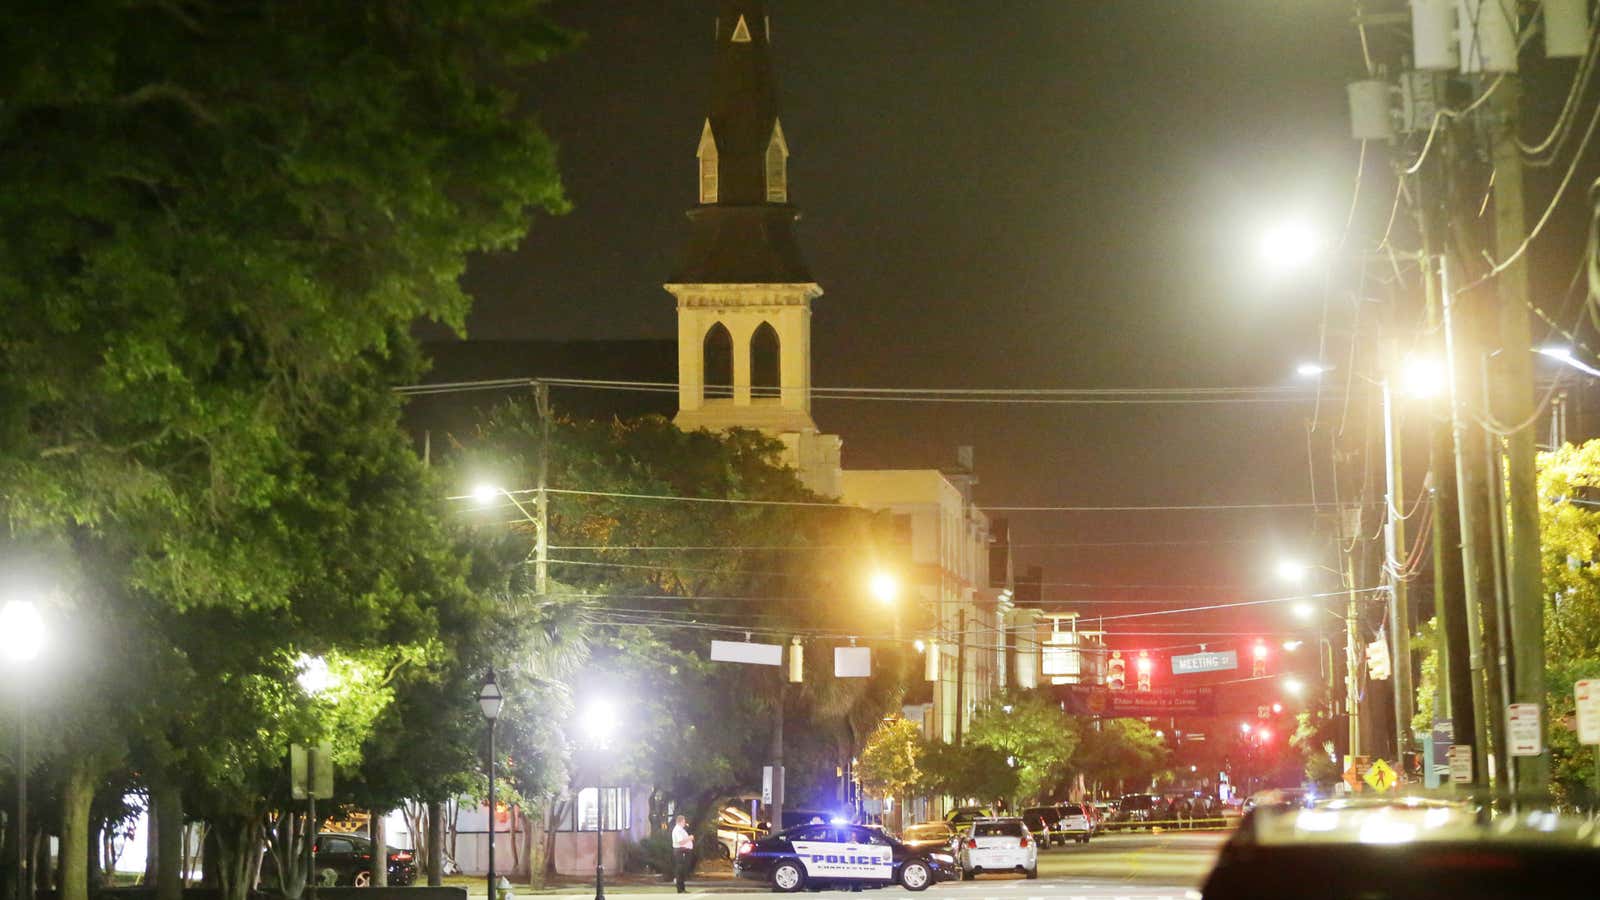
(1111, 867)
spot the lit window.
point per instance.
(583, 812)
(708, 180)
(777, 166)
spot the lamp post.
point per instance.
(23, 636)
(489, 700)
(314, 678)
(599, 722)
(1294, 570)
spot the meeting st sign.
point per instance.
(1192, 663)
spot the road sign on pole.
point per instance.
(1381, 776)
(1524, 736)
(1586, 693)
(1461, 764)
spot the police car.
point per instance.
(835, 855)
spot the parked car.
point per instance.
(348, 857)
(1075, 822)
(998, 845)
(735, 828)
(1044, 823)
(819, 856)
(963, 815)
(931, 837)
(1133, 810)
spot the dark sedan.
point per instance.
(819, 856)
(346, 860)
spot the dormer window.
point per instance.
(777, 166)
(707, 154)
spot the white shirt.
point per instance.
(681, 838)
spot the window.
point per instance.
(997, 829)
(777, 165)
(813, 833)
(331, 845)
(717, 369)
(765, 371)
(583, 812)
(708, 180)
(777, 175)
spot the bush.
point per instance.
(653, 854)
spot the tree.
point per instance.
(966, 772)
(888, 763)
(1121, 752)
(224, 219)
(1031, 730)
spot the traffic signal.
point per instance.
(1258, 665)
(1378, 660)
(1144, 666)
(1116, 671)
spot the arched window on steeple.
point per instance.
(717, 363)
(765, 362)
(777, 166)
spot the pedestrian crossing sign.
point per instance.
(1381, 776)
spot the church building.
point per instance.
(744, 295)
(744, 292)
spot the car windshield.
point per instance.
(997, 829)
(926, 832)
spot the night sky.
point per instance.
(1050, 193)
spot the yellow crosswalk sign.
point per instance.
(1381, 776)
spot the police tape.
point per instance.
(1197, 822)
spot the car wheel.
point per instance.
(362, 879)
(1033, 872)
(722, 851)
(787, 877)
(914, 876)
(1084, 839)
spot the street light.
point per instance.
(314, 678)
(22, 639)
(885, 587)
(1423, 377)
(490, 700)
(1294, 687)
(1311, 370)
(599, 723)
(1288, 246)
(1303, 611)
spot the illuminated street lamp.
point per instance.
(1288, 246)
(1423, 377)
(1311, 370)
(22, 639)
(314, 679)
(885, 587)
(1294, 687)
(599, 723)
(489, 701)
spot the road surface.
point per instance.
(1111, 867)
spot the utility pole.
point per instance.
(1352, 651)
(961, 674)
(1394, 543)
(541, 550)
(1515, 407)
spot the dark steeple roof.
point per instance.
(742, 238)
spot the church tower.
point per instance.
(744, 292)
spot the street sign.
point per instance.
(852, 662)
(1381, 776)
(1356, 768)
(1461, 764)
(747, 653)
(311, 772)
(1523, 736)
(1587, 695)
(771, 783)
(1191, 663)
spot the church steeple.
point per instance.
(742, 229)
(744, 292)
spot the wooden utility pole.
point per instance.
(1513, 402)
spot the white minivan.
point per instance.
(998, 845)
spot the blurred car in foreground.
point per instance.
(1404, 848)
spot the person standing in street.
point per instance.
(682, 850)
